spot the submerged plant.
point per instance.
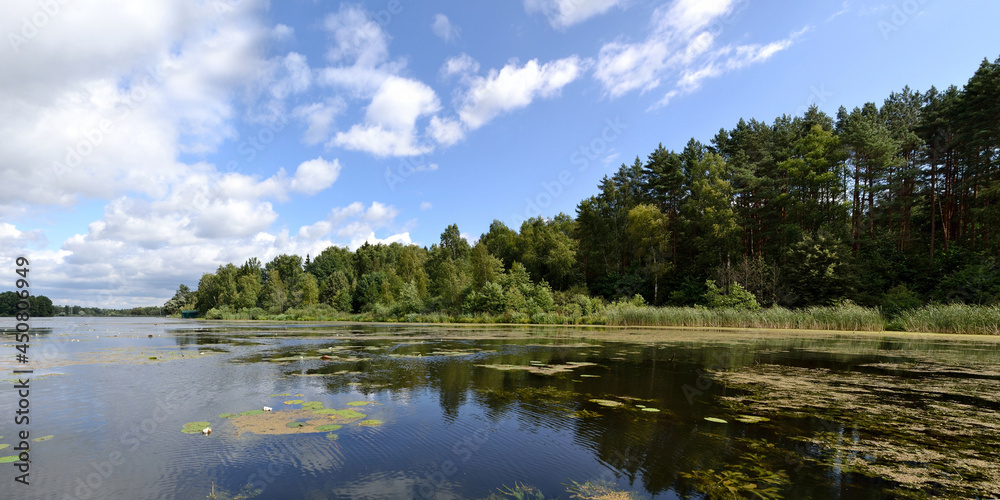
(747, 480)
(598, 490)
(522, 491)
(246, 492)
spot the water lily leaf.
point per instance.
(606, 402)
(751, 419)
(294, 402)
(43, 438)
(654, 410)
(251, 412)
(227, 415)
(7, 460)
(370, 423)
(589, 376)
(312, 405)
(716, 420)
(2, 446)
(330, 427)
(360, 403)
(278, 395)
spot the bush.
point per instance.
(736, 298)
(900, 299)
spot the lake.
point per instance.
(417, 411)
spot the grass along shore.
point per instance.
(954, 318)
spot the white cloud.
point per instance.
(565, 13)
(515, 87)
(682, 45)
(314, 176)
(445, 131)
(360, 47)
(462, 65)
(443, 28)
(426, 205)
(390, 120)
(318, 117)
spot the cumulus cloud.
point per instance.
(314, 176)
(390, 120)
(564, 13)
(443, 28)
(682, 46)
(514, 87)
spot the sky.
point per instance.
(143, 144)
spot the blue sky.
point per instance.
(145, 143)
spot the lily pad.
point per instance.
(2, 446)
(330, 427)
(7, 460)
(370, 423)
(251, 412)
(278, 395)
(589, 376)
(295, 424)
(640, 406)
(194, 427)
(716, 420)
(751, 419)
(43, 438)
(360, 403)
(654, 410)
(312, 405)
(294, 402)
(227, 415)
(606, 402)
(350, 414)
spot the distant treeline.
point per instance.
(41, 306)
(893, 206)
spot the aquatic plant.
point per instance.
(294, 402)
(599, 490)
(227, 415)
(8, 459)
(370, 423)
(278, 395)
(328, 427)
(606, 402)
(360, 403)
(248, 491)
(738, 481)
(522, 491)
(312, 405)
(43, 438)
(250, 412)
(716, 420)
(194, 427)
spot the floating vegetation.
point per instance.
(586, 375)
(738, 481)
(227, 415)
(250, 412)
(294, 402)
(294, 421)
(278, 395)
(43, 438)
(606, 402)
(751, 419)
(332, 437)
(542, 369)
(246, 492)
(716, 420)
(599, 490)
(312, 405)
(370, 423)
(584, 414)
(653, 410)
(928, 424)
(194, 427)
(360, 403)
(8, 459)
(2, 446)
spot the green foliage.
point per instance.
(736, 297)
(900, 299)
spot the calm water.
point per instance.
(453, 428)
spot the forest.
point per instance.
(880, 213)
(887, 207)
